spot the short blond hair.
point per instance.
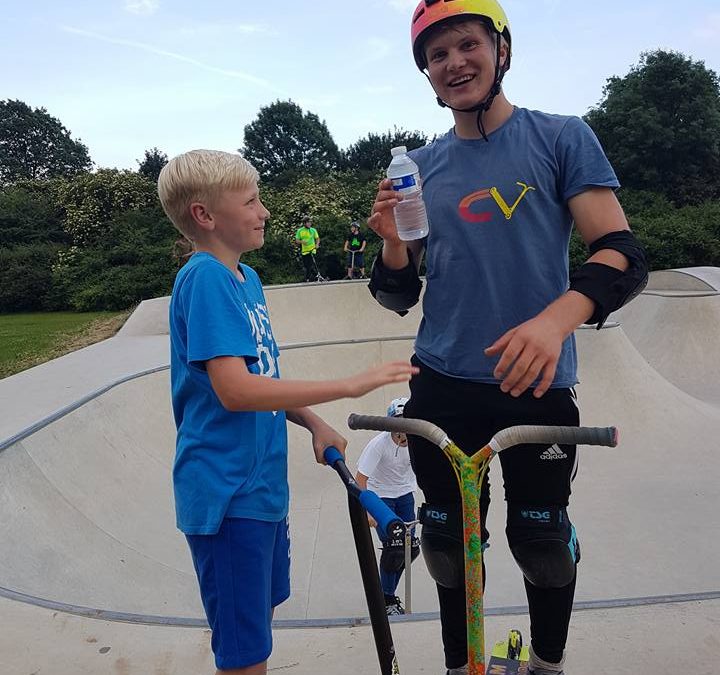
(200, 176)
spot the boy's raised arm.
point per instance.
(240, 390)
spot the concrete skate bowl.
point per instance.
(676, 327)
(685, 279)
(91, 528)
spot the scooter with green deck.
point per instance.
(470, 470)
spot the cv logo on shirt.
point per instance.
(492, 193)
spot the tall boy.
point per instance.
(230, 407)
(495, 347)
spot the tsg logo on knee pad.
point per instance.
(543, 543)
(441, 516)
(442, 543)
(544, 516)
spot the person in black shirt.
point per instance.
(354, 247)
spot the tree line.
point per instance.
(75, 237)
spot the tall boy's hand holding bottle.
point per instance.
(382, 219)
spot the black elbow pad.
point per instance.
(608, 287)
(397, 290)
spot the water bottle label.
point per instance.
(404, 182)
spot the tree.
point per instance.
(372, 153)
(133, 263)
(35, 145)
(30, 214)
(26, 283)
(660, 127)
(92, 200)
(284, 143)
(152, 165)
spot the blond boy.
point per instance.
(230, 407)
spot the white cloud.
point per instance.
(710, 29)
(173, 55)
(214, 29)
(314, 103)
(142, 7)
(374, 49)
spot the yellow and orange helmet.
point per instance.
(430, 13)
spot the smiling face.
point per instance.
(239, 219)
(461, 62)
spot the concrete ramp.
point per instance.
(94, 488)
(685, 279)
(678, 333)
(96, 579)
(338, 310)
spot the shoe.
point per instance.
(393, 606)
(536, 666)
(458, 671)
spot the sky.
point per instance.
(125, 76)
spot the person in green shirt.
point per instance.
(309, 239)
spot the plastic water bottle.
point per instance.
(410, 215)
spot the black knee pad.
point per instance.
(544, 544)
(442, 544)
(392, 558)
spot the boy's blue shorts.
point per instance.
(244, 571)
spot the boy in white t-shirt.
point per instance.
(384, 467)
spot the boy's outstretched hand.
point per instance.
(387, 373)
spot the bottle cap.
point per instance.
(400, 150)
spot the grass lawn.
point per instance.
(29, 339)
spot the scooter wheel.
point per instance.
(515, 644)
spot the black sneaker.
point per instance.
(393, 606)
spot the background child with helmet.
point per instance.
(495, 348)
(354, 246)
(384, 467)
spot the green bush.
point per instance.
(92, 200)
(26, 283)
(102, 242)
(686, 237)
(132, 263)
(29, 214)
(673, 237)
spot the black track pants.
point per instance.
(308, 267)
(471, 414)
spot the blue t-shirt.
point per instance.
(497, 249)
(226, 463)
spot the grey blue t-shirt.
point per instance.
(497, 250)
